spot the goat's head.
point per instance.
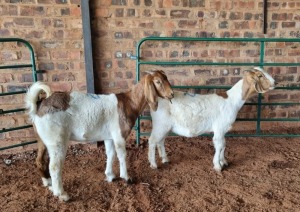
(259, 81)
(157, 85)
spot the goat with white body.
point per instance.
(62, 116)
(193, 115)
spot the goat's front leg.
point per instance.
(57, 154)
(42, 163)
(110, 154)
(157, 139)
(120, 147)
(219, 159)
(162, 151)
(151, 152)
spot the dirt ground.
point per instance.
(263, 175)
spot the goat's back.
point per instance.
(89, 117)
(190, 115)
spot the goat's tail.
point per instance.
(33, 95)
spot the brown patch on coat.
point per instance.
(58, 101)
(128, 113)
(222, 94)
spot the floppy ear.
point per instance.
(150, 93)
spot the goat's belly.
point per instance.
(191, 131)
(91, 135)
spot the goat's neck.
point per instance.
(136, 98)
(235, 95)
(130, 106)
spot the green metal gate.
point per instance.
(34, 77)
(261, 63)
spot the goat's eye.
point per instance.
(259, 76)
(157, 81)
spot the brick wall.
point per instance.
(117, 25)
(54, 29)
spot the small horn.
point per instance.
(258, 68)
(150, 72)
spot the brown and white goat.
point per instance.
(193, 115)
(62, 116)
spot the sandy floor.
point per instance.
(263, 175)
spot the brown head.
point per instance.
(257, 81)
(157, 85)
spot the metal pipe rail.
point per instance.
(34, 76)
(261, 63)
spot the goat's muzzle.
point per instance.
(171, 96)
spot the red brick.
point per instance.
(5, 33)
(24, 21)
(60, 55)
(61, 86)
(278, 97)
(63, 77)
(186, 24)
(35, 34)
(167, 3)
(17, 134)
(8, 56)
(11, 99)
(6, 77)
(75, 2)
(32, 11)
(73, 34)
(179, 13)
(292, 70)
(75, 55)
(102, 12)
(58, 34)
(295, 96)
(46, 1)
(9, 10)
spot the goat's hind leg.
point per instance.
(120, 147)
(110, 154)
(57, 154)
(42, 163)
(223, 160)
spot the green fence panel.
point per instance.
(31, 65)
(261, 63)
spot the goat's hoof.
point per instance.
(165, 161)
(153, 166)
(46, 181)
(110, 177)
(224, 163)
(130, 181)
(218, 169)
(64, 197)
